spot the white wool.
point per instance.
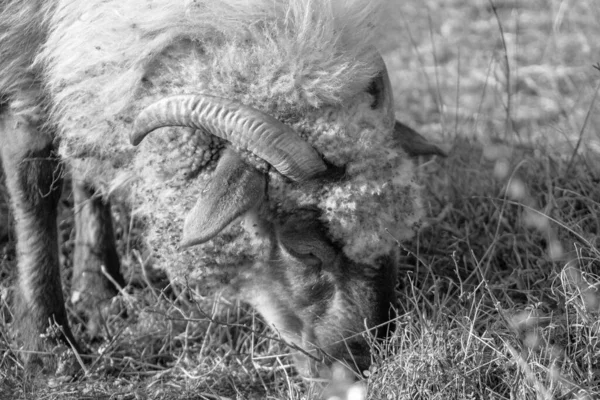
(302, 52)
(306, 62)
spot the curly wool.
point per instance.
(306, 62)
(368, 212)
(106, 59)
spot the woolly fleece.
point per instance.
(306, 62)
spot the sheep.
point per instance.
(277, 165)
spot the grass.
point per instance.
(498, 296)
(503, 301)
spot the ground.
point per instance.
(498, 292)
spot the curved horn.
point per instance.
(243, 126)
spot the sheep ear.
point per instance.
(414, 143)
(234, 189)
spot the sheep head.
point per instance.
(289, 103)
(318, 299)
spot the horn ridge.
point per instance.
(244, 126)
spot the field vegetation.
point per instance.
(499, 292)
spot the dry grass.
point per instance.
(499, 290)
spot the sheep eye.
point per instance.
(306, 241)
(306, 255)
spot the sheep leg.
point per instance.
(34, 179)
(95, 250)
